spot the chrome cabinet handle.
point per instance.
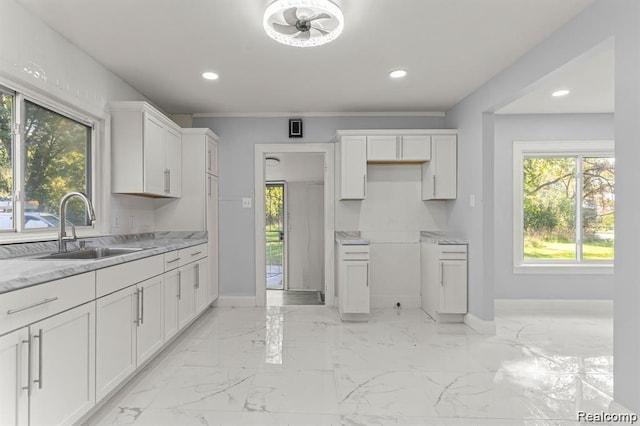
(197, 283)
(173, 260)
(40, 342)
(179, 285)
(137, 320)
(169, 190)
(442, 274)
(209, 180)
(196, 253)
(35, 305)
(434, 186)
(141, 305)
(364, 184)
(28, 386)
(367, 274)
(209, 160)
(166, 180)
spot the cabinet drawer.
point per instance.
(117, 277)
(171, 260)
(21, 307)
(191, 254)
(453, 251)
(355, 252)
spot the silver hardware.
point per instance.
(367, 274)
(39, 337)
(434, 186)
(35, 305)
(442, 273)
(137, 320)
(209, 159)
(179, 285)
(141, 305)
(364, 184)
(166, 180)
(197, 283)
(196, 253)
(62, 235)
(209, 180)
(173, 260)
(28, 386)
(169, 186)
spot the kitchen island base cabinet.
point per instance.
(63, 366)
(14, 397)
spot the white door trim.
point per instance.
(261, 151)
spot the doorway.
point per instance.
(307, 226)
(275, 248)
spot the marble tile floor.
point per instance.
(300, 365)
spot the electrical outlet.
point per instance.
(246, 203)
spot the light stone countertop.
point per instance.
(437, 238)
(20, 269)
(350, 238)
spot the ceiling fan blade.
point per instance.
(319, 16)
(320, 29)
(291, 16)
(284, 29)
(304, 35)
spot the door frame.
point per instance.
(285, 225)
(261, 151)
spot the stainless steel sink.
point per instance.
(90, 253)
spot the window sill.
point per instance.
(35, 236)
(564, 269)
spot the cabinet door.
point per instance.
(173, 162)
(171, 280)
(453, 287)
(355, 287)
(154, 168)
(186, 295)
(14, 378)
(150, 330)
(382, 148)
(212, 157)
(201, 290)
(116, 315)
(212, 231)
(63, 366)
(353, 167)
(415, 148)
(439, 176)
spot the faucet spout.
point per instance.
(62, 235)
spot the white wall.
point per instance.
(35, 57)
(600, 23)
(561, 127)
(238, 136)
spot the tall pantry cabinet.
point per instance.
(197, 210)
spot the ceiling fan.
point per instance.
(303, 23)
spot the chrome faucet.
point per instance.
(62, 235)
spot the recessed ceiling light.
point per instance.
(559, 93)
(210, 75)
(397, 73)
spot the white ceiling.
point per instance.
(449, 48)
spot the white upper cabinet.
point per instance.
(439, 176)
(353, 167)
(146, 149)
(398, 149)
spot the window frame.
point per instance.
(98, 121)
(551, 149)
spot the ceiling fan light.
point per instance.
(322, 33)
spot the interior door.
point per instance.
(274, 236)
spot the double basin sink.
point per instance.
(93, 253)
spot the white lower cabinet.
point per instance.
(453, 287)
(14, 378)
(171, 280)
(353, 281)
(201, 290)
(129, 329)
(444, 281)
(186, 295)
(63, 366)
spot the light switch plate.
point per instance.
(246, 203)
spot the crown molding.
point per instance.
(320, 114)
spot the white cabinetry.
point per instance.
(129, 321)
(444, 281)
(198, 207)
(397, 149)
(353, 167)
(439, 176)
(14, 378)
(146, 151)
(353, 281)
(62, 366)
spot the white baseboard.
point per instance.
(236, 301)
(481, 326)
(408, 301)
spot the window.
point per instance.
(564, 205)
(44, 153)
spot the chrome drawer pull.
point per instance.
(35, 305)
(173, 260)
(196, 253)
